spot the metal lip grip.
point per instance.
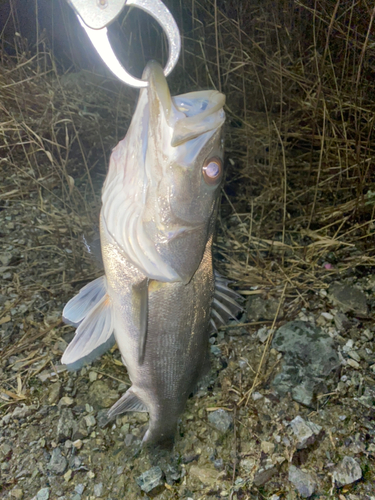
(95, 15)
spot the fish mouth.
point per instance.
(203, 113)
(189, 115)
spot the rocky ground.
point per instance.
(287, 412)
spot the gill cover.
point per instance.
(161, 191)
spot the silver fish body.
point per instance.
(159, 208)
(176, 344)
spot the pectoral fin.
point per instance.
(140, 304)
(87, 298)
(128, 402)
(91, 309)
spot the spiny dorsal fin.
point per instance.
(225, 303)
(128, 402)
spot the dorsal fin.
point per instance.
(225, 302)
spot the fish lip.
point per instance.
(192, 125)
(158, 89)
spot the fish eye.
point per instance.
(212, 170)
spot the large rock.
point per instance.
(310, 365)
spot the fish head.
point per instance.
(176, 174)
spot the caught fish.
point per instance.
(159, 298)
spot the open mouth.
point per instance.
(190, 115)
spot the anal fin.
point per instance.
(128, 402)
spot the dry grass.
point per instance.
(298, 205)
(300, 94)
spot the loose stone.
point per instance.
(305, 432)
(347, 472)
(17, 494)
(98, 490)
(205, 475)
(101, 395)
(65, 425)
(54, 393)
(267, 447)
(303, 481)
(310, 358)
(79, 488)
(66, 401)
(151, 479)
(348, 298)
(221, 420)
(58, 462)
(42, 494)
